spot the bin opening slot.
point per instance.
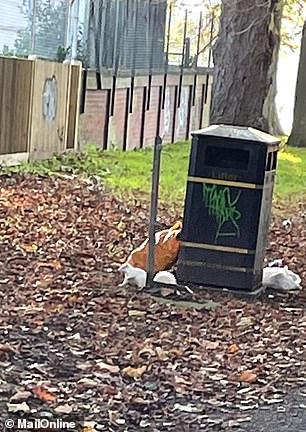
(271, 161)
(274, 160)
(224, 157)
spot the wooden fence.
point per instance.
(39, 108)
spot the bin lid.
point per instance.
(238, 132)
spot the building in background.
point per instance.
(11, 22)
(33, 27)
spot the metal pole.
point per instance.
(74, 48)
(195, 80)
(198, 40)
(168, 35)
(153, 209)
(209, 54)
(116, 49)
(133, 67)
(167, 57)
(211, 38)
(183, 60)
(33, 27)
(68, 28)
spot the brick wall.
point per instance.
(137, 127)
(92, 122)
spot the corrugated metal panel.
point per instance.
(143, 41)
(132, 34)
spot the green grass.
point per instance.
(291, 174)
(129, 173)
(124, 172)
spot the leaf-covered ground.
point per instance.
(73, 343)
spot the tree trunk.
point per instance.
(243, 55)
(269, 109)
(298, 133)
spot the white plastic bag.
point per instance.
(137, 276)
(281, 279)
(165, 277)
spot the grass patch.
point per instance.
(291, 174)
(129, 173)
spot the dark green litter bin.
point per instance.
(227, 207)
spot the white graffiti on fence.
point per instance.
(167, 112)
(183, 111)
(50, 99)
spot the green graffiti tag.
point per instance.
(222, 206)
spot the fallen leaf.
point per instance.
(15, 408)
(87, 382)
(134, 372)
(21, 396)
(161, 354)
(63, 409)
(120, 421)
(53, 264)
(89, 426)
(108, 367)
(103, 333)
(180, 380)
(88, 429)
(43, 394)
(139, 400)
(176, 352)
(147, 351)
(236, 422)
(6, 348)
(232, 349)
(189, 408)
(136, 313)
(29, 248)
(248, 376)
(44, 280)
(144, 423)
(245, 321)
(113, 416)
(210, 345)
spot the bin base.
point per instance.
(238, 292)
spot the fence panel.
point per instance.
(49, 109)
(15, 102)
(39, 108)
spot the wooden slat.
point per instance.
(74, 106)
(15, 101)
